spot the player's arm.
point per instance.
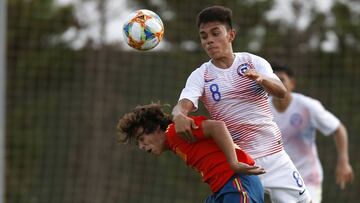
(344, 172)
(184, 124)
(217, 130)
(188, 102)
(271, 85)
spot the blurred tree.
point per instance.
(33, 72)
(257, 31)
(62, 104)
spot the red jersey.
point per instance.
(204, 155)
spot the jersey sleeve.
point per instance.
(194, 87)
(322, 119)
(199, 133)
(263, 67)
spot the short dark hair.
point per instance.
(282, 68)
(215, 13)
(148, 117)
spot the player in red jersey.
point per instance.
(228, 170)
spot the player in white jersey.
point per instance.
(298, 118)
(234, 88)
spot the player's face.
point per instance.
(216, 39)
(288, 82)
(153, 143)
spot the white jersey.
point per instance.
(238, 101)
(298, 125)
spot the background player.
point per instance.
(234, 88)
(214, 154)
(298, 118)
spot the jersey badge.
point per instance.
(242, 68)
(296, 120)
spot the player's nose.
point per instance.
(209, 41)
(141, 146)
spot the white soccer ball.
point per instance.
(143, 29)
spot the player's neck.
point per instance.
(224, 62)
(282, 104)
(166, 143)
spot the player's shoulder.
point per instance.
(170, 130)
(199, 72)
(245, 54)
(199, 119)
(204, 66)
(305, 100)
(304, 97)
(249, 56)
(256, 61)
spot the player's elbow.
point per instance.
(212, 127)
(280, 93)
(219, 124)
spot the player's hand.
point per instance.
(247, 169)
(344, 174)
(184, 126)
(253, 75)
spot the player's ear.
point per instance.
(158, 129)
(292, 84)
(232, 34)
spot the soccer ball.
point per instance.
(143, 29)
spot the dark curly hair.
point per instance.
(215, 13)
(148, 117)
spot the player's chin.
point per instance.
(156, 152)
(215, 55)
(211, 54)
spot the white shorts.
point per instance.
(282, 180)
(315, 193)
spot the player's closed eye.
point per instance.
(139, 138)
